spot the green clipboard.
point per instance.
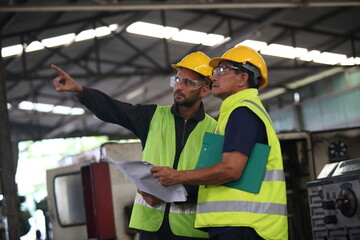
(254, 172)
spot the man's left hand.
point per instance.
(166, 176)
(150, 199)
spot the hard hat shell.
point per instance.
(243, 54)
(196, 61)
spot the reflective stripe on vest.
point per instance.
(180, 208)
(239, 206)
(160, 150)
(140, 201)
(274, 175)
(261, 109)
(183, 208)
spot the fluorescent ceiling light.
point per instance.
(329, 58)
(272, 93)
(102, 31)
(98, 32)
(196, 37)
(59, 40)
(114, 27)
(8, 105)
(279, 50)
(85, 35)
(184, 35)
(25, 105)
(39, 107)
(135, 93)
(77, 111)
(34, 46)
(12, 50)
(314, 78)
(152, 30)
(189, 36)
(169, 32)
(309, 56)
(357, 60)
(43, 107)
(213, 39)
(256, 45)
(67, 110)
(296, 97)
(350, 61)
(298, 52)
(303, 54)
(62, 110)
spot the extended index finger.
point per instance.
(59, 70)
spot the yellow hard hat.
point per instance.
(244, 55)
(197, 62)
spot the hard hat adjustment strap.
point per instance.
(254, 70)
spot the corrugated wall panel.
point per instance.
(335, 105)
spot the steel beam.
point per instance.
(186, 5)
(7, 163)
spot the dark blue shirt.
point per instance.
(243, 129)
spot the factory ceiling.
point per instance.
(99, 50)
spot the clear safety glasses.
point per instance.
(185, 82)
(221, 70)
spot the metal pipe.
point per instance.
(167, 6)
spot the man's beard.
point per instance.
(188, 102)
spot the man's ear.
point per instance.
(243, 80)
(204, 91)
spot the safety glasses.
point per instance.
(221, 70)
(185, 82)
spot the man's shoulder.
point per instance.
(243, 111)
(244, 115)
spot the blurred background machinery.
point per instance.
(305, 155)
(334, 201)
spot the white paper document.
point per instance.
(138, 172)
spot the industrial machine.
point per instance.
(305, 154)
(334, 201)
(88, 199)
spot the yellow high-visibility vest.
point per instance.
(266, 212)
(160, 150)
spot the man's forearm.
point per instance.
(229, 169)
(213, 175)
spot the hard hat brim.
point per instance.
(215, 61)
(175, 66)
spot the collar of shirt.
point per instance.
(200, 115)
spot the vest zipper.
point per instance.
(183, 136)
(167, 205)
